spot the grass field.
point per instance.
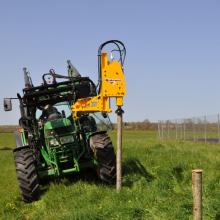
(156, 184)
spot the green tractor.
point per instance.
(51, 142)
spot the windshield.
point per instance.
(102, 120)
(65, 107)
(61, 107)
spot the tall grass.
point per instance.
(156, 185)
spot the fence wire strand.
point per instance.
(198, 129)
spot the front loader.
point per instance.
(58, 133)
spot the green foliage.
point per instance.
(156, 184)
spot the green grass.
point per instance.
(6, 140)
(156, 184)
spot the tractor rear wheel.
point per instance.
(27, 174)
(103, 150)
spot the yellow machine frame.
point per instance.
(112, 85)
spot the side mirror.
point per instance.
(7, 104)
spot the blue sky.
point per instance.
(173, 50)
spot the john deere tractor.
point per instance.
(58, 133)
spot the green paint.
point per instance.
(23, 139)
(63, 158)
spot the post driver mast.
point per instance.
(111, 84)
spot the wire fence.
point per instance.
(198, 129)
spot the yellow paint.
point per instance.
(112, 86)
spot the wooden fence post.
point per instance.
(197, 194)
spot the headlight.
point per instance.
(66, 139)
(53, 142)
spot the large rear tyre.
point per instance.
(27, 174)
(103, 150)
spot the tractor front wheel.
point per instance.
(103, 150)
(27, 174)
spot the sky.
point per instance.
(172, 66)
